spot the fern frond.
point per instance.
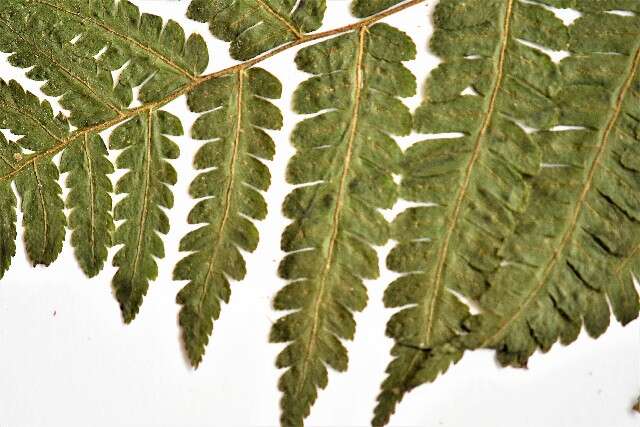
(256, 26)
(146, 149)
(576, 266)
(344, 165)
(235, 112)
(472, 187)
(89, 200)
(42, 208)
(75, 46)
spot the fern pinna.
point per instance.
(525, 193)
(357, 77)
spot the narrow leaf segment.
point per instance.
(344, 167)
(90, 201)
(235, 110)
(8, 217)
(146, 149)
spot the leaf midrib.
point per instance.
(92, 198)
(429, 308)
(45, 215)
(625, 87)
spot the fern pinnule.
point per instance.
(89, 200)
(43, 217)
(8, 201)
(145, 151)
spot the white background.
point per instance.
(66, 358)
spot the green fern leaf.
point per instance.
(90, 201)
(256, 26)
(146, 185)
(345, 160)
(577, 265)
(235, 109)
(75, 45)
(471, 188)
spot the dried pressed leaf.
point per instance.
(89, 200)
(541, 251)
